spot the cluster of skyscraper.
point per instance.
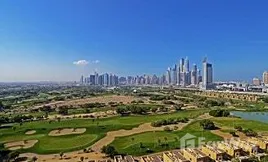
(182, 75)
(101, 80)
(179, 75)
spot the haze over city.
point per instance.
(62, 40)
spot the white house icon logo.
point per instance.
(188, 141)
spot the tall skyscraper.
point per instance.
(207, 74)
(181, 65)
(96, 78)
(174, 75)
(199, 76)
(168, 76)
(265, 78)
(82, 79)
(106, 79)
(194, 75)
(186, 65)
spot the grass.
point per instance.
(160, 140)
(245, 124)
(96, 129)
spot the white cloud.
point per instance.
(96, 61)
(81, 62)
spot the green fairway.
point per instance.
(96, 129)
(160, 141)
(245, 124)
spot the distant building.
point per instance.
(256, 81)
(96, 78)
(265, 77)
(168, 76)
(174, 75)
(82, 79)
(194, 78)
(106, 79)
(207, 75)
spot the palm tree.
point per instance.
(159, 141)
(176, 141)
(165, 141)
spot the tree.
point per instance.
(1, 106)
(13, 155)
(207, 124)
(238, 128)
(61, 155)
(141, 145)
(154, 109)
(109, 151)
(159, 141)
(34, 159)
(82, 158)
(63, 110)
(167, 129)
(165, 140)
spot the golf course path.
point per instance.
(146, 127)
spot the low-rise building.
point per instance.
(120, 158)
(153, 158)
(249, 148)
(213, 152)
(195, 155)
(231, 150)
(174, 156)
(261, 142)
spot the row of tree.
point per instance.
(169, 121)
(219, 113)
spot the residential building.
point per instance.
(153, 158)
(247, 147)
(195, 155)
(120, 158)
(213, 152)
(231, 150)
(261, 142)
(174, 156)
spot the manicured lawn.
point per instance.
(96, 129)
(245, 124)
(160, 140)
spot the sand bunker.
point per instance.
(67, 131)
(20, 144)
(30, 132)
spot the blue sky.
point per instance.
(40, 40)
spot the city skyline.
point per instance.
(82, 37)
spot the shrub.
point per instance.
(238, 128)
(219, 113)
(109, 150)
(207, 124)
(167, 129)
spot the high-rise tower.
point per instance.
(207, 74)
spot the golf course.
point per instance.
(93, 130)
